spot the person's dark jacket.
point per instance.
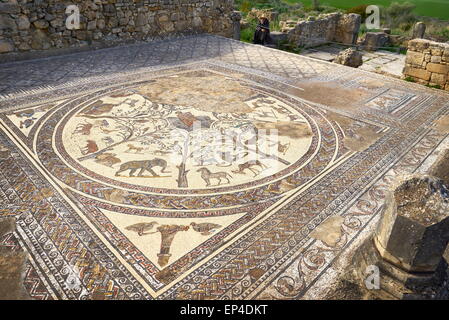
(262, 37)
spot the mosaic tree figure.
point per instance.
(133, 121)
(187, 136)
(222, 142)
(189, 142)
(240, 129)
(168, 233)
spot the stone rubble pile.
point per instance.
(350, 57)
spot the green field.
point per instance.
(431, 8)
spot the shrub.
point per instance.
(438, 31)
(329, 9)
(361, 10)
(245, 6)
(434, 86)
(398, 14)
(247, 35)
(406, 26)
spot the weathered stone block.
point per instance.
(24, 47)
(347, 28)
(92, 25)
(375, 40)
(440, 168)
(112, 22)
(394, 282)
(419, 30)
(6, 46)
(167, 26)
(414, 228)
(12, 267)
(409, 244)
(41, 24)
(197, 22)
(123, 21)
(236, 17)
(101, 24)
(57, 23)
(438, 78)
(436, 51)
(446, 52)
(350, 57)
(23, 22)
(438, 68)
(418, 45)
(142, 19)
(435, 59)
(9, 8)
(40, 40)
(163, 18)
(268, 13)
(97, 35)
(7, 23)
(417, 73)
(414, 58)
(278, 37)
(181, 26)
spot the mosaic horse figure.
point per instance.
(206, 175)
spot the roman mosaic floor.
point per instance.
(200, 168)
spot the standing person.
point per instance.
(262, 33)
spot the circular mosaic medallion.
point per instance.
(210, 136)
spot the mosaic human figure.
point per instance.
(168, 233)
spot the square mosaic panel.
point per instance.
(121, 188)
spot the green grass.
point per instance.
(431, 8)
(394, 49)
(247, 35)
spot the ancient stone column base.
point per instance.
(396, 283)
(236, 27)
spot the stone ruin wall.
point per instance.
(334, 27)
(427, 62)
(27, 25)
